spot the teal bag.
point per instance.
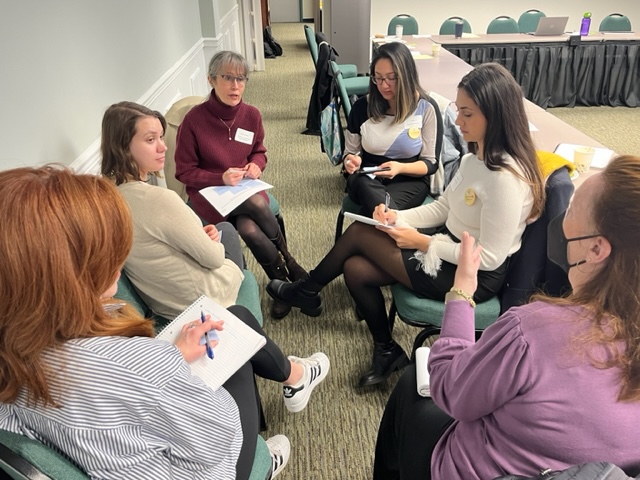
(331, 133)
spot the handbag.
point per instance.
(331, 132)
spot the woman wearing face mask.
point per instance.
(551, 384)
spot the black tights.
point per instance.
(369, 259)
(257, 224)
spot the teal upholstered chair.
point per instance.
(528, 21)
(22, 458)
(615, 22)
(448, 27)
(503, 24)
(409, 25)
(344, 97)
(348, 70)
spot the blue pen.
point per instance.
(387, 201)
(206, 337)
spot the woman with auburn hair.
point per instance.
(496, 191)
(70, 352)
(551, 384)
(394, 127)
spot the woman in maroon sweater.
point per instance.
(220, 142)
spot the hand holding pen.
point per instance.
(384, 214)
(190, 342)
(207, 340)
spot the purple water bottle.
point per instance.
(586, 23)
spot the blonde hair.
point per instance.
(63, 240)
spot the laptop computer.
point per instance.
(551, 26)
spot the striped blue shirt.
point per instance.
(130, 408)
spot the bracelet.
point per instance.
(464, 295)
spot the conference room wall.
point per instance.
(64, 62)
(430, 15)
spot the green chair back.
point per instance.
(615, 22)
(503, 24)
(528, 21)
(23, 459)
(344, 97)
(311, 41)
(448, 27)
(409, 25)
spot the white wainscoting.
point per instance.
(188, 76)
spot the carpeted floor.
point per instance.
(334, 437)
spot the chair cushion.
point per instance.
(45, 459)
(127, 293)
(274, 205)
(419, 311)
(262, 461)
(348, 70)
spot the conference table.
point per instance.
(602, 69)
(442, 73)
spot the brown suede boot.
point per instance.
(295, 271)
(277, 270)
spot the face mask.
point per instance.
(557, 244)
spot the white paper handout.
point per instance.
(227, 198)
(601, 156)
(367, 220)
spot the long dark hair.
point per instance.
(499, 98)
(408, 90)
(118, 129)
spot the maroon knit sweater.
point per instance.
(204, 151)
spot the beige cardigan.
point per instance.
(173, 261)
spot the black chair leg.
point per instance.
(421, 338)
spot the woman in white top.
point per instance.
(496, 190)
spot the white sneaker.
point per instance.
(280, 449)
(316, 368)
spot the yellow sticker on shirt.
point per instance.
(414, 132)
(469, 196)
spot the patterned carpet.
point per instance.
(334, 437)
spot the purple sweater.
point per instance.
(204, 151)
(524, 399)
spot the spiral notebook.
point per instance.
(238, 342)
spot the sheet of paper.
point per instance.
(601, 156)
(227, 198)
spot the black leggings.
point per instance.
(409, 431)
(370, 259)
(257, 224)
(270, 363)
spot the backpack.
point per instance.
(268, 39)
(585, 471)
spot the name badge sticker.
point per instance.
(244, 136)
(414, 121)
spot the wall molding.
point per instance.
(186, 77)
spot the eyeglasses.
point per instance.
(231, 79)
(391, 80)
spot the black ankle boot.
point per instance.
(296, 272)
(387, 358)
(295, 295)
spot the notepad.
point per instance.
(367, 220)
(237, 341)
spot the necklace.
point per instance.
(228, 126)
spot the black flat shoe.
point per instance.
(293, 294)
(386, 360)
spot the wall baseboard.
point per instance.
(188, 76)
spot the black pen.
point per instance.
(387, 200)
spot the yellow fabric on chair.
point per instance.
(550, 162)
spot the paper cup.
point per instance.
(435, 49)
(399, 30)
(582, 157)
